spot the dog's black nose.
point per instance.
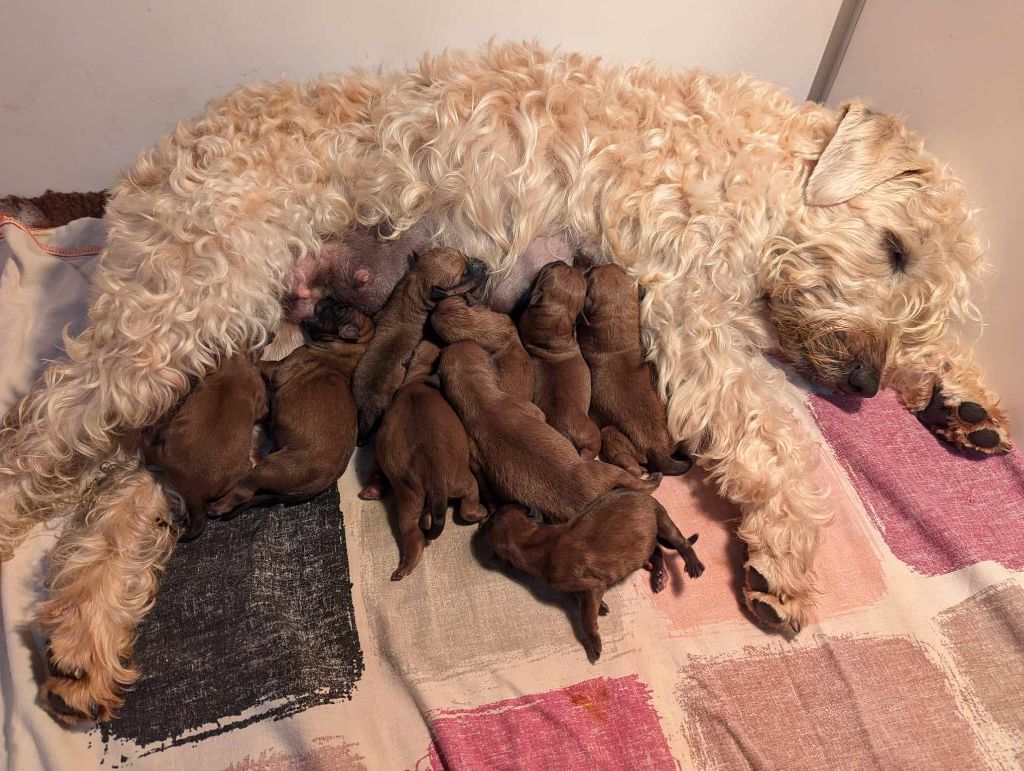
(862, 380)
(477, 270)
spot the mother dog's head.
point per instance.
(877, 262)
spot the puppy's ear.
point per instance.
(349, 332)
(867, 150)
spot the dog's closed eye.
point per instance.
(895, 252)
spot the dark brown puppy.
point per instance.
(561, 379)
(312, 414)
(423, 450)
(455, 319)
(440, 272)
(206, 445)
(624, 399)
(615, 536)
(523, 459)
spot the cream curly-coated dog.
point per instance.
(750, 221)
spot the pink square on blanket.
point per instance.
(847, 568)
(868, 702)
(937, 510)
(599, 723)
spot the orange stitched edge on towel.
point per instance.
(81, 251)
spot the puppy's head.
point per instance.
(443, 272)
(557, 299)
(509, 527)
(611, 296)
(455, 319)
(334, 322)
(878, 260)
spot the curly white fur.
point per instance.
(751, 222)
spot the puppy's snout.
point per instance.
(476, 270)
(862, 379)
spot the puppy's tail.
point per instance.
(437, 510)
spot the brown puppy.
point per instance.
(455, 320)
(521, 457)
(561, 382)
(206, 446)
(624, 399)
(609, 541)
(438, 273)
(423, 450)
(312, 413)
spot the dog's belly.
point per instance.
(361, 269)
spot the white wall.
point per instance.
(85, 85)
(956, 69)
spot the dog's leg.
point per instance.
(943, 389)
(590, 608)
(659, 579)
(731, 407)
(669, 535)
(102, 580)
(410, 505)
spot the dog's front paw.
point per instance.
(965, 424)
(771, 606)
(73, 696)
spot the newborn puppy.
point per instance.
(455, 319)
(612, 538)
(624, 399)
(206, 445)
(423, 450)
(561, 379)
(521, 457)
(440, 272)
(313, 416)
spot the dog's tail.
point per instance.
(437, 511)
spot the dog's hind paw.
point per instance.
(769, 607)
(74, 697)
(965, 424)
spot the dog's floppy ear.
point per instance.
(867, 150)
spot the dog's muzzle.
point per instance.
(861, 380)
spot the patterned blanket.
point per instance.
(278, 640)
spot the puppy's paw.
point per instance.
(769, 605)
(965, 424)
(593, 648)
(694, 567)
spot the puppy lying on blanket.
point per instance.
(523, 458)
(423, 450)
(615, 536)
(624, 399)
(438, 273)
(313, 415)
(207, 445)
(455, 319)
(561, 378)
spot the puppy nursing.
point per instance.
(561, 376)
(423, 451)
(624, 399)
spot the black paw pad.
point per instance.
(757, 582)
(971, 412)
(985, 437)
(936, 414)
(766, 612)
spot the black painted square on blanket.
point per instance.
(253, 621)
